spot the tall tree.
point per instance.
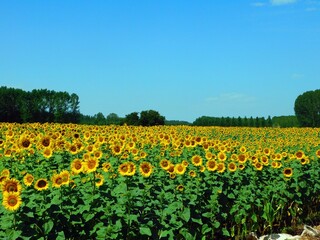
(132, 118)
(307, 108)
(151, 118)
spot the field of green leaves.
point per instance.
(67, 181)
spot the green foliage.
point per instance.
(151, 118)
(285, 121)
(233, 122)
(42, 105)
(307, 108)
(146, 118)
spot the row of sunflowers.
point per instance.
(68, 181)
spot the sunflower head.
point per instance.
(258, 166)
(196, 160)
(123, 169)
(99, 179)
(11, 201)
(145, 169)
(221, 167)
(179, 169)
(28, 179)
(56, 180)
(41, 184)
(91, 165)
(11, 185)
(211, 165)
(47, 152)
(165, 164)
(232, 167)
(131, 169)
(180, 188)
(192, 173)
(76, 166)
(222, 156)
(106, 166)
(287, 172)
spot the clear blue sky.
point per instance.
(182, 58)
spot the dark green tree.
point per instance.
(41, 105)
(99, 119)
(132, 118)
(307, 108)
(113, 118)
(151, 118)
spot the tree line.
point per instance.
(44, 105)
(144, 118)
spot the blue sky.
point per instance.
(182, 58)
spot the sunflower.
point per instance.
(145, 169)
(11, 185)
(274, 164)
(73, 149)
(192, 173)
(76, 166)
(299, 154)
(116, 149)
(264, 160)
(209, 155)
(41, 184)
(179, 169)
(3, 178)
(45, 141)
(266, 151)
(131, 145)
(258, 166)
(304, 160)
(134, 151)
(165, 164)
(172, 175)
(211, 165)
(318, 153)
(171, 168)
(187, 143)
(97, 154)
(123, 169)
(143, 154)
(11, 200)
(185, 163)
(232, 167)
(221, 167)
(65, 175)
(28, 179)
(7, 152)
(91, 165)
(243, 149)
(196, 160)
(222, 156)
(5, 172)
(132, 169)
(180, 188)
(241, 166)
(99, 179)
(56, 180)
(106, 166)
(47, 152)
(90, 148)
(287, 172)
(24, 142)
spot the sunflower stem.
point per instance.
(14, 220)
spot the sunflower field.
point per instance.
(68, 181)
